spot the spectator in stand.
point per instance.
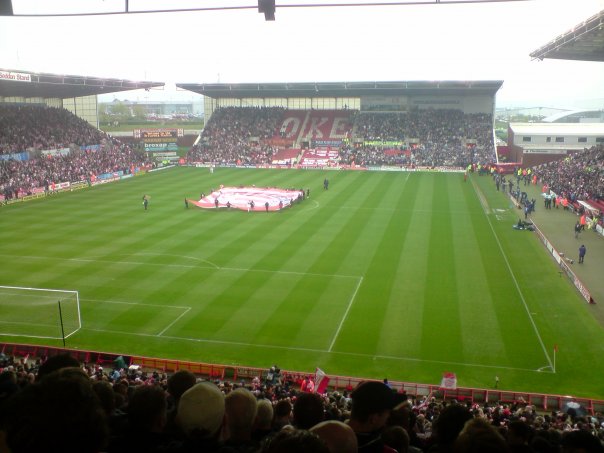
(479, 436)
(282, 414)
(580, 442)
(199, 413)
(200, 416)
(338, 436)
(56, 363)
(396, 437)
(147, 415)
(38, 129)
(178, 383)
(519, 437)
(371, 406)
(445, 137)
(59, 413)
(294, 441)
(448, 426)
(580, 176)
(34, 128)
(264, 420)
(237, 135)
(308, 410)
(240, 413)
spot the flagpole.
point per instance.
(555, 350)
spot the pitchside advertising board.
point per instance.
(159, 140)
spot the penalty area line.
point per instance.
(354, 295)
(175, 321)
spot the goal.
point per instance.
(39, 312)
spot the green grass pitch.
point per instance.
(398, 275)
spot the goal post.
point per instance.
(39, 312)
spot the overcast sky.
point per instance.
(425, 42)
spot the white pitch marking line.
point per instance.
(188, 266)
(507, 263)
(174, 322)
(236, 269)
(318, 351)
(134, 303)
(177, 256)
(354, 295)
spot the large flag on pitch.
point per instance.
(449, 381)
(321, 381)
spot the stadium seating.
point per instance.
(41, 145)
(441, 137)
(424, 412)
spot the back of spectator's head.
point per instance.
(240, 410)
(396, 437)
(370, 398)
(283, 408)
(308, 410)
(478, 436)
(581, 442)
(450, 423)
(180, 382)
(56, 362)
(106, 395)
(147, 408)
(339, 437)
(8, 384)
(264, 414)
(60, 413)
(201, 410)
(294, 441)
(519, 433)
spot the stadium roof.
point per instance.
(341, 89)
(558, 128)
(591, 113)
(29, 84)
(585, 42)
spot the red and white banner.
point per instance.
(321, 381)
(249, 198)
(449, 381)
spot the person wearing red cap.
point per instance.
(371, 405)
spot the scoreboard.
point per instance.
(159, 140)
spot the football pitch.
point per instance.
(386, 274)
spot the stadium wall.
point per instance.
(85, 107)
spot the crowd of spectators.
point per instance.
(443, 137)
(59, 404)
(237, 135)
(19, 178)
(36, 129)
(580, 176)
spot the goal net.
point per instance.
(39, 312)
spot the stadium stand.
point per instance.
(43, 146)
(579, 176)
(426, 138)
(27, 127)
(130, 406)
(237, 135)
(577, 181)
